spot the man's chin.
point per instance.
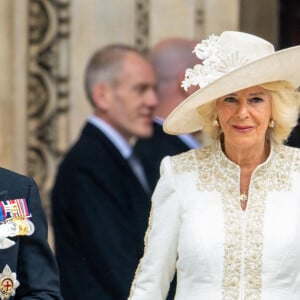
(145, 133)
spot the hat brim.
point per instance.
(281, 65)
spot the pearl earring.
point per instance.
(272, 124)
(215, 123)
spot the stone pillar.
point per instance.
(261, 17)
(192, 18)
(7, 116)
(221, 15)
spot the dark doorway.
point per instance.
(289, 35)
(289, 23)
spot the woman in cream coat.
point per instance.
(226, 217)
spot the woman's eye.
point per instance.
(256, 100)
(230, 99)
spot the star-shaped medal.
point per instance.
(8, 283)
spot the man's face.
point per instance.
(132, 100)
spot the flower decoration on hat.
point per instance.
(216, 62)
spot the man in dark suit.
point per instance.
(27, 266)
(170, 58)
(294, 138)
(100, 200)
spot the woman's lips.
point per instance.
(242, 129)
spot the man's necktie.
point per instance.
(138, 170)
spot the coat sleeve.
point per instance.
(157, 267)
(37, 270)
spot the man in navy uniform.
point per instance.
(27, 266)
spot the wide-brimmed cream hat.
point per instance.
(231, 62)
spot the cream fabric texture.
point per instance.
(197, 228)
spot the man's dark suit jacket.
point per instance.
(152, 150)
(100, 215)
(30, 257)
(294, 138)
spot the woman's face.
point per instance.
(244, 116)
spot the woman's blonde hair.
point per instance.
(285, 111)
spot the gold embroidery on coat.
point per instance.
(184, 162)
(243, 247)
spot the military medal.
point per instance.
(14, 221)
(8, 283)
(14, 209)
(23, 227)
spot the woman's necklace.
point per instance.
(244, 197)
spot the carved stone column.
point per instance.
(142, 25)
(47, 90)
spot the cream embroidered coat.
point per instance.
(197, 227)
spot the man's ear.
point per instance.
(101, 94)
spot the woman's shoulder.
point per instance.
(285, 150)
(288, 156)
(189, 161)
